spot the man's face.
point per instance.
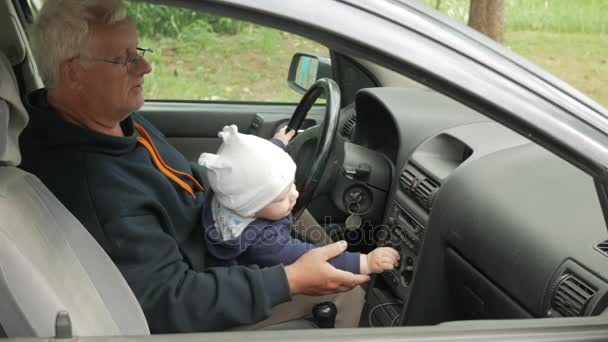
(113, 89)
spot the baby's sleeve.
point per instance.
(278, 142)
(276, 246)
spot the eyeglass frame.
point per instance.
(128, 61)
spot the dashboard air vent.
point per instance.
(425, 193)
(347, 129)
(418, 185)
(602, 247)
(407, 181)
(570, 296)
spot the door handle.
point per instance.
(255, 125)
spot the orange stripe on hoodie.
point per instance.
(147, 142)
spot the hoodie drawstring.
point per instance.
(147, 142)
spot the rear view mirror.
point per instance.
(306, 69)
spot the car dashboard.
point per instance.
(489, 225)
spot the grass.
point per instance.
(583, 16)
(568, 38)
(205, 60)
(245, 67)
(580, 59)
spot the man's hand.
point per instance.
(285, 137)
(312, 275)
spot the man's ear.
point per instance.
(70, 74)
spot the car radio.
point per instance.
(406, 235)
(405, 230)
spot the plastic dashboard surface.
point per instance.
(508, 209)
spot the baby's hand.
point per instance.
(283, 136)
(382, 259)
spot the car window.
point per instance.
(198, 56)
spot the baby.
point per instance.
(248, 214)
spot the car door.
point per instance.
(192, 127)
(192, 124)
(204, 76)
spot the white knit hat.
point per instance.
(248, 172)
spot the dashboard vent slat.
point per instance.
(416, 184)
(576, 291)
(425, 193)
(347, 129)
(407, 180)
(602, 247)
(571, 296)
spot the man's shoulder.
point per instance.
(53, 165)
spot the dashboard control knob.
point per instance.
(357, 199)
(407, 271)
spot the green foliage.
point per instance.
(250, 66)
(581, 59)
(261, 38)
(455, 9)
(584, 16)
(201, 57)
(163, 21)
(198, 35)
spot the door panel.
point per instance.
(192, 127)
(545, 330)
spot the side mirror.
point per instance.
(306, 69)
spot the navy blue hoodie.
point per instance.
(150, 227)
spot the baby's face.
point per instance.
(281, 206)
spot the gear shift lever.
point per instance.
(324, 314)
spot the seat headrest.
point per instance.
(13, 117)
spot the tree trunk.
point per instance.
(488, 17)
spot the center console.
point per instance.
(404, 230)
(406, 221)
(406, 234)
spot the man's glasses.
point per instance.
(129, 61)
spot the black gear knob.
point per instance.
(324, 314)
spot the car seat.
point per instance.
(49, 263)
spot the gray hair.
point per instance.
(61, 30)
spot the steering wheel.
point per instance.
(311, 148)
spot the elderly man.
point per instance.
(140, 198)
